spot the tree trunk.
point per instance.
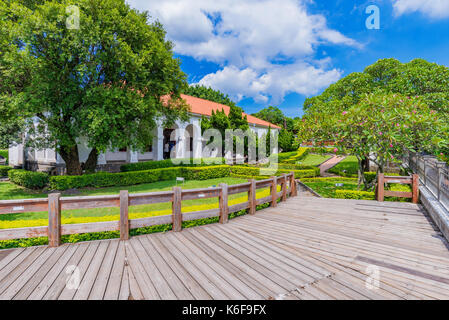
(72, 160)
(91, 163)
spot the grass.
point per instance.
(314, 159)
(326, 187)
(347, 167)
(29, 219)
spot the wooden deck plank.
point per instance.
(69, 292)
(194, 270)
(54, 282)
(114, 283)
(207, 267)
(212, 260)
(304, 248)
(154, 274)
(101, 281)
(167, 273)
(28, 274)
(189, 282)
(143, 281)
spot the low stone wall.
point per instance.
(437, 212)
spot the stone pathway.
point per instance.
(332, 162)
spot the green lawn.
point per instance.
(314, 159)
(11, 191)
(326, 187)
(349, 166)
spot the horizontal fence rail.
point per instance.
(54, 205)
(412, 180)
(433, 174)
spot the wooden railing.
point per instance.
(412, 180)
(54, 204)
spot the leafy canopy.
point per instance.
(103, 81)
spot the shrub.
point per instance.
(300, 154)
(354, 194)
(28, 179)
(104, 179)
(4, 154)
(4, 171)
(206, 173)
(148, 165)
(242, 176)
(253, 171)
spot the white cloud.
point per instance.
(437, 9)
(248, 39)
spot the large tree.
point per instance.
(418, 77)
(101, 80)
(383, 127)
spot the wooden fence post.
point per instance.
(415, 188)
(380, 187)
(252, 196)
(284, 188)
(54, 220)
(124, 219)
(294, 191)
(176, 209)
(274, 191)
(223, 203)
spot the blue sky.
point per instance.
(278, 52)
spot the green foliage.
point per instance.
(300, 154)
(208, 93)
(275, 116)
(314, 159)
(382, 126)
(104, 179)
(287, 141)
(389, 108)
(103, 81)
(348, 167)
(354, 194)
(428, 80)
(148, 165)
(28, 179)
(4, 154)
(252, 171)
(4, 171)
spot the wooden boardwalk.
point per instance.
(305, 248)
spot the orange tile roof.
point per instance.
(205, 107)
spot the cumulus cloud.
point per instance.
(434, 8)
(265, 48)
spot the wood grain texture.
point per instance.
(176, 209)
(54, 220)
(124, 219)
(223, 203)
(305, 248)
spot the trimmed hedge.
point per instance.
(28, 179)
(188, 162)
(4, 154)
(104, 179)
(252, 171)
(300, 154)
(4, 171)
(354, 194)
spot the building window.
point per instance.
(149, 148)
(124, 149)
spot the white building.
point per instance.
(188, 144)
